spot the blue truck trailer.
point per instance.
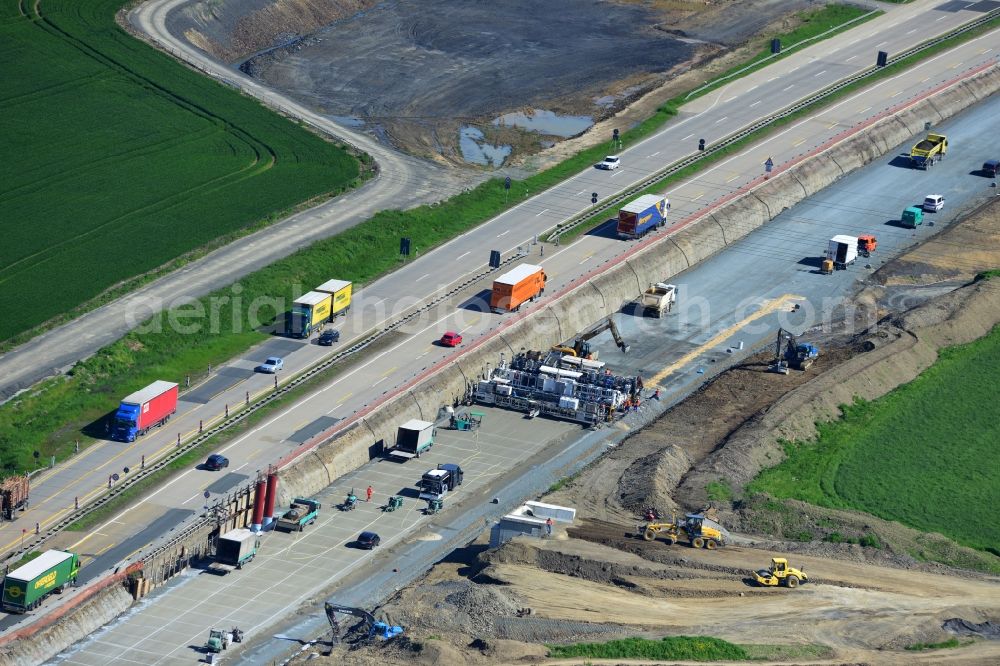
(642, 216)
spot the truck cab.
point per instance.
(436, 483)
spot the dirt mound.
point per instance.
(650, 480)
(233, 31)
(990, 630)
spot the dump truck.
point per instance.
(842, 251)
(929, 150)
(308, 314)
(780, 574)
(341, 292)
(436, 483)
(413, 438)
(912, 217)
(516, 287)
(13, 495)
(27, 586)
(658, 299)
(302, 512)
(642, 216)
(144, 410)
(235, 549)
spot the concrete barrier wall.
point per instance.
(35, 645)
(603, 293)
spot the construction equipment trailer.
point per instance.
(535, 384)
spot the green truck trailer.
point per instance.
(26, 587)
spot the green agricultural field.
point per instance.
(925, 454)
(117, 160)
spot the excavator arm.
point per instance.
(583, 348)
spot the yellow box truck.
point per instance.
(309, 313)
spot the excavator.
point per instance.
(700, 531)
(796, 355)
(581, 347)
(366, 623)
(780, 574)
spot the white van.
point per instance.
(933, 203)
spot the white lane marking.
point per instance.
(655, 154)
(422, 277)
(851, 58)
(504, 233)
(462, 255)
(912, 31)
(755, 104)
(722, 119)
(539, 214)
(867, 108)
(881, 43)
(819, 73)
(581, 192)
(788, 88)
(687, 137)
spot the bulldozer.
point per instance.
(780, 574)
(698, 530)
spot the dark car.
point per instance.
(990, 168)
(216, 462)
(369, 540)
(329, 337)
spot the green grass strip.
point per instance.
(689, 648)
(924, 454)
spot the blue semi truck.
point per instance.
(642, 216)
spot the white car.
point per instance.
(933, 203)
(609, 163)
(271, 365)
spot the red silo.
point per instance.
(270, 497)
(258, 504)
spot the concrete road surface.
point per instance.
(412, 349)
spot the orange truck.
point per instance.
(514, 288)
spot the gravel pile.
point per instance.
(483, 605)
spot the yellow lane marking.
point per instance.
(766, 309)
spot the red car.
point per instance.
(451, 339)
